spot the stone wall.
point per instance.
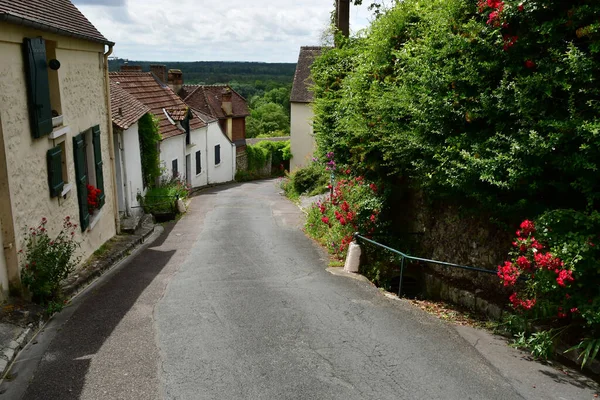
(242, 161)
(448, 233)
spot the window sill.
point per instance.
(189, 146)
(56, 133)
(95, 217)
(217, 165)
(66, 189)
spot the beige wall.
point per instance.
(301, 135)
(83, 102)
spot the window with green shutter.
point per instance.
(98, 164)
(38, 89)
(198, 163)
(55, 174)
(81, 180)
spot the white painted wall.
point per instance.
(225, 171)
(301, 135)
(170, 149)
(132, 173)
(198, 143)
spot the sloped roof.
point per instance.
(302, 79)
(59, 16)
(158, 97)
(126, 110)
(208, 99)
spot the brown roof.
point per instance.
(302, 79)
(59, 16)
(158, 97)
(208, 99)
(126, 110)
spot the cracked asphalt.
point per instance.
(234, 302)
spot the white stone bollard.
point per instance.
(180, 206)
(353, 258)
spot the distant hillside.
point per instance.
(210, 72)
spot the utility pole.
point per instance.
(342, 17)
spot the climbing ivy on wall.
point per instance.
(149, 148)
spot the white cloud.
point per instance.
(233, 30)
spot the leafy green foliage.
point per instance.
(433, 94)
(310, 180)
(47, 261)
(269, 114)
(149, 136)
(162, 198)
(260, 153)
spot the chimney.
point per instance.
(226, 101)
(175, 80)
(131, 68)
(160, 71)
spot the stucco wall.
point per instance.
(132, 160)
(83, 102)
(198, 143)
(225, 171)
(170, 149)
(301, 135)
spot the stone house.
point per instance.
(227, 106)
(302, 141)
(190, 148)
(55, 130)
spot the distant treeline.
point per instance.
(212, 72)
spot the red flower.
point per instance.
(345, 206)
(527, 227)
(508, 273)
(524, 263)
(325, 220)
(373, 187)
(342, 221)
(521, 8)
(372, 217)
(547, 261)
(564, 275)
(530, 64)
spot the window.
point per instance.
(198, 163)
(174, 168)
(55, 171)
(87, 154)
(58, 175)
(218, 154)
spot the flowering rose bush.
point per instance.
(559, 257)
(354, 207)
(46, 262)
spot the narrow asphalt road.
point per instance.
(234, 302)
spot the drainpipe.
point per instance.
(111, 142)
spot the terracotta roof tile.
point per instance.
(126, 110)
(208, 99)
(302, 79)
(59, 16)
(158, 97)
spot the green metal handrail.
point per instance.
(405, 256)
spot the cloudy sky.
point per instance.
(217, 30)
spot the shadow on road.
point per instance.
(62, 372)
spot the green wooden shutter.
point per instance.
(55, 179)
(81, 180)
(38, 88)
(98, 164)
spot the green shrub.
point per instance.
(312, 179)
(162, 199)
(47, 262)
